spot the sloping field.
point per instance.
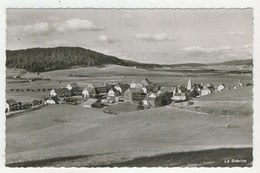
(58, 131)
(240, 94)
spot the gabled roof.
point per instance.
(89, 102)
(11, 101)
(74, 85)
(146, 81)
(55, 99)
(61, 91)
(124, 86)
(153, 95)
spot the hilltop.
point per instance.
(48, 59)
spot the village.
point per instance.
(143, 95)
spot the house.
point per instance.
(221, 87)
(238, 84)
(73, 88)
(10, 105)
(144, 90)
(49, 102)
(179, 89)
(146, 104)
(89, 91)
(17, 77)
(135, 84)
(101, 88)
(179, 97)
(152, 88)
(205, 91)
(132, 95)
(113, 93)
(146, 82)
(151, 98)
(60, 92)
(89, 103)
(122, 87)
(210, 86)
(179, 93)
(189, 85)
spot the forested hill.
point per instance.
(47, 59)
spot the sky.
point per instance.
(162, 36)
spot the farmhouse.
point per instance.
(10, 105)
(146, 82)
(179, 93)
(89, 91)
(122, 87)
(102, 88)
(179, 97)
(89, 103)
(73, 88)
(221, 87)
(61, 92)
(151, 98)
(113, 93)
(132, 95)
(135, 84)
(49, 102)
(205, 91)
(238, 84)
(17, 77)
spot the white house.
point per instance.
(133, 84)
(179, 93)
(85, 93)
(238, 84)
(179, 96)
(144, 90)
(53, 93)
(72, 86)
(89, 91)
(221, 87)
(118, 88)
(49, 102)
(205, 91)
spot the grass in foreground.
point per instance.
(227, 157)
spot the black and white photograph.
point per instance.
(116, 88)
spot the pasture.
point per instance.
(59, 131)
(94, 138)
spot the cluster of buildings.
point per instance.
(144, 92)
(12, 105)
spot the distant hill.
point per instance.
(48, 59)
(186, 65)
(236, 62)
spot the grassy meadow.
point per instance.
(69, 135)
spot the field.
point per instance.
(67, 135)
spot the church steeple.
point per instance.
(189, 85)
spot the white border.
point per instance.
(133, 4)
